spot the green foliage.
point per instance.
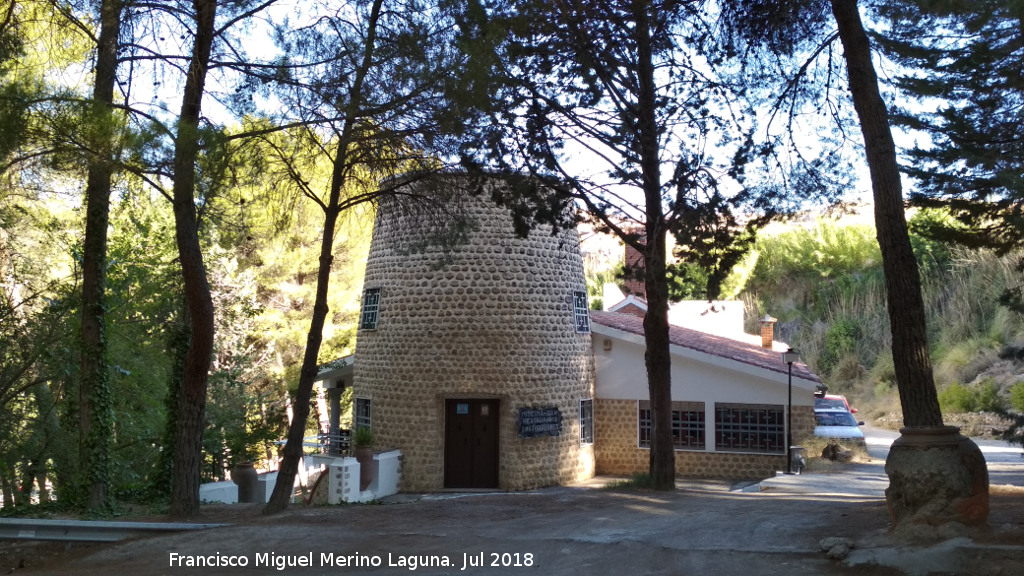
(841, 338)
(687, 282)
(984, 397)
(1017, 397)
(840, 322)
(826, 251)
(362, 437)
(972, 115)
(957, 398)
(988, 397)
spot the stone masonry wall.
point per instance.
(491, 319)
(617, 453)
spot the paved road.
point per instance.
(702, 528)
(1005, 460)
(868, 479)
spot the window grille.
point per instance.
(371, 305)
(750, 428)
(587, 421)
(688, 425)
(581, 311)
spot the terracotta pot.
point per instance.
(364, 455)
(245, 476)
(936, 475)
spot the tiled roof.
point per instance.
(709, 344)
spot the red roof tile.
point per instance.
(708, 343)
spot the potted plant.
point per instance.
(362, 449)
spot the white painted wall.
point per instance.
(696, 377)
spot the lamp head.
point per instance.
(790, 356)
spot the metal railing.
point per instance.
(339, 444)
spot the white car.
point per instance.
(838, 425)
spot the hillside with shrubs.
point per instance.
(823, 281)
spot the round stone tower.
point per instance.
(475, 360)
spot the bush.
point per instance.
(840, 339)
(1017, 396)
(988, 398)
(957, 398)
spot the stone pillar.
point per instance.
(334, 402)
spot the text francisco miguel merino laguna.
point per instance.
(356, 560)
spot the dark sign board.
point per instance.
(534, 422)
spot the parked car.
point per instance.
(838, 425)
(833, 402)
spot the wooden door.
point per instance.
(471, 444)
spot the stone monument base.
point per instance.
(936, 475)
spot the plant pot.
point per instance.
(364, 455)
(936, 475)
(245, 476)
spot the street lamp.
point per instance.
(789, 356)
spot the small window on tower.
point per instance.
(587, 421)
(371, 304)
(361, 414)
(581, 311)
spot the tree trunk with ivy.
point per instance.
(96, 424)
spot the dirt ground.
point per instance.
(702, 528)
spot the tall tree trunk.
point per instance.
(657, 356)
(902, 278)
(6, 487)
(188, 446)
(95, 404)
(935, 474)
(49, 428)
(307, 375)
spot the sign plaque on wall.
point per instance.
(536, 422)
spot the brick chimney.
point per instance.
(768, 331)
(634, 261)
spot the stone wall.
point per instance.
(493, 318)
(617, 452)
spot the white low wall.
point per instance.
(343, 480)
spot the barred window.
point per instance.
(371, 304)
(581, 311)
(688, 428)
(361, 414)
(750, 428)
(587, 421)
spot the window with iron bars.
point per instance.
(750, 428)
(581, 311)
(371, 305)
(587, 421)
(688, 427)
(361, 414)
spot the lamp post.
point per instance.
(789, 356)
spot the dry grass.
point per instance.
(1006, 490)
(815, 463)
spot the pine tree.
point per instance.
(911, 359)
(616, 107)
(965, 60)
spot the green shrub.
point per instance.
(1017, 396)
(988, 398)
(957, 398)
(840, 339)
(640, 480)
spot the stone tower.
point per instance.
(475, 361)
